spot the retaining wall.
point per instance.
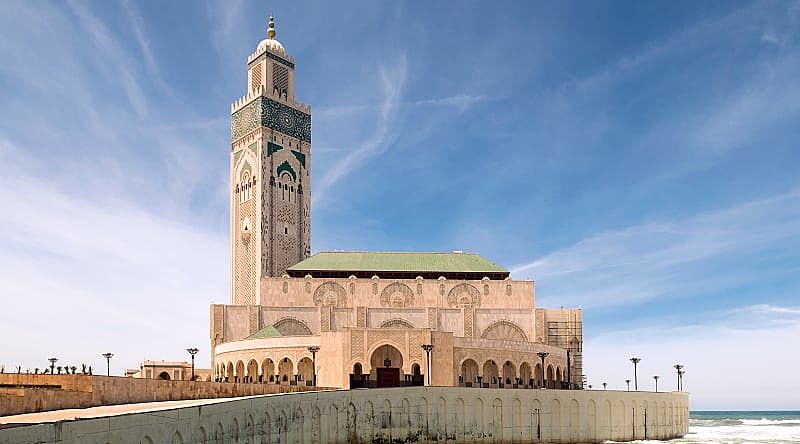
(419, 414)
(24, 393)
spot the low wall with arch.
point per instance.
(420, 414)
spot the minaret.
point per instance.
(270, 173)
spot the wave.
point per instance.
(722, 422)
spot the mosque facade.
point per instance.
(360, 319)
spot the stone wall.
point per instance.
(420, 414)
(24, 393)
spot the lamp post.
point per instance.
(428, 348)
(680, 377)
(314, 349)
(52, 364)
(543, 355)
(655, 378)
(635, 361)
(678, 368)
(628, 381)
(108, 357)
(192, 351)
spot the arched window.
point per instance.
(245, 187)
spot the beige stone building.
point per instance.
(361, 319)
(168, 371)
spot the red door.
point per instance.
(388, 377)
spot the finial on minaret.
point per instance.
(271, 27)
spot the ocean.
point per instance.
(742, 427)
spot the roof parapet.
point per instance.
(261, 91)
(258, 53)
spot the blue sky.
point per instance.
(637, 159)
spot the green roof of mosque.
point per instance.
(398, 262)
(266, 332)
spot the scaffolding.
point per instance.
(569, 336)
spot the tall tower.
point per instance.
(270, 173)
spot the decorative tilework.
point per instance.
(464, 295)
(273, 148)
(272, 56)
(271, 114)
(356, 343)
(280, 78)
(468, 315)
(287, 168)
(330, 294)
(397, 294)
(361, 317)
(300, 158)
(254, 148)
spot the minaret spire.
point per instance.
(271, 27)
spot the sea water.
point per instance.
(740, 427)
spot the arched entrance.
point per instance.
(509, 374)
(469, 372)
(286, 372)
(357, 377)
(386, 363)
(525, 374)
(490, 374)
(164, 376)
(305, 371)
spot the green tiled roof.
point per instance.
(266, 332)
(398, 262)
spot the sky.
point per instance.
(639, 160)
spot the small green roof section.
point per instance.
(266, 332)
(356, 261)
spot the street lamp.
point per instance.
(543, 355)
(635, 361)
(628, 381)
(108, 357)
(192, 351)
(655, 378)
(678, 367)
(680, 377)
(428, 348)
(314, 349)
(52, 364)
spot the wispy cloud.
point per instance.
(137, 24)
(113, 52)
(654, 259)
(460, 102)
(392, 81)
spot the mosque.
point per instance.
(360, 319)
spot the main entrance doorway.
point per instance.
(387, 363)
(388, 377)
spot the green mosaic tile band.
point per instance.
(300, 158)
(271, 114)
(273, 148)
(273, 57)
